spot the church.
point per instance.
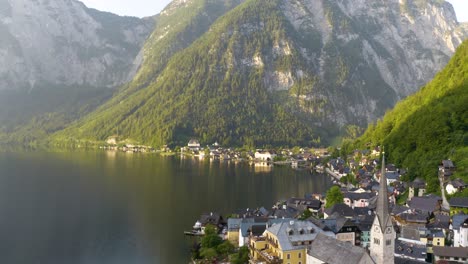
(382, 243)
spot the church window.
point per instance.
(388, 242)
(377, 241)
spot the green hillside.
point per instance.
(430, 125)
(202, 93)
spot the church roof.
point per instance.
(382, 200)
(325, 248)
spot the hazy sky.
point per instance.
(141, 8)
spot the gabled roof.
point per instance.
(289, 232)
(459, 202)
(448, 164)
(458, 219)
(458, 252)
(341, 209)
(427, 203)
(325, 248)
(413, 249)
(358, 196)
(440, 221)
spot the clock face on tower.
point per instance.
(389, 230)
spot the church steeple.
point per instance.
(382, 199)
(382, 244)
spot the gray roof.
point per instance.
(325, 248)
(418, 183)
(358, 196)
(399, 260)
(289, 232)
(412, 249)
(393, 175)
(234, 224)
(426, 203)
(341, 209)
(249, 224)
(458, 220)
(459, 202)
(448, 164)
(440, 221)
(459, 252)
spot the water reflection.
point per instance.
(110, 207)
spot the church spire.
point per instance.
(382, 200)
(382, 247)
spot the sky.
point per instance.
(142, 8)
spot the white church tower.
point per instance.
(382, 244)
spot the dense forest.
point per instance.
(429, 126)
(202, 92)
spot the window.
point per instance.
(288, 256)
(299, 255)
(438, 243)
(388, 242)
(376, 241)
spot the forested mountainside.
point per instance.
(59, 60)
(274, 72)
(429, 126)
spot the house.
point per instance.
(417, 188)
(265, 155)
(233, 227)
(410, 249)
(345, 229)
(429, 203)
(365, 227)
(112, 140)
(357, 199)
(455, 186)
(459, 227)
(194, 145)
(326, 249)
(392, 176)
(340, 210)
(432, 237)
(312, 205)
(446, 168)
(458, 204)
(450, 254)
(285, 242)
(413, 218)
(213, 219)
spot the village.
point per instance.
(420, 227)
(425, 228)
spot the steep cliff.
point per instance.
(61, 42)
(279, 72)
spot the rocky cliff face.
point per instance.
(399, 44)
(280, 71)
(61, 42)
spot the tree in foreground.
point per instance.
(334, 196)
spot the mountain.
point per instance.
(62, 42)
(430, 125)
(275, 72)
(59, 60)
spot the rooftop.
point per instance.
(459, 202)
(458, 252)
(289, 233)
(325, 248)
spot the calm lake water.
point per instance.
(107, 207)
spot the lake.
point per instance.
(107, 207)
